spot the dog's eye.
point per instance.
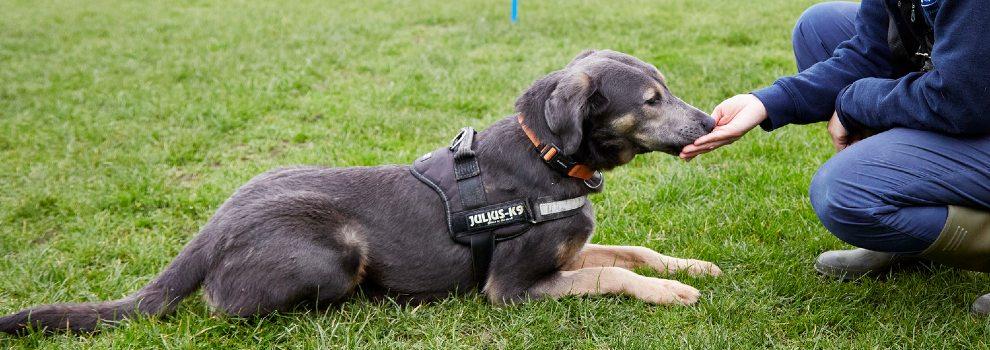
(653, 101)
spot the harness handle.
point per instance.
(467, 171)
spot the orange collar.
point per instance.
(554, 158)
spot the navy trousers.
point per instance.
(889, 192)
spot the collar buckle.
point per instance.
(555, 159)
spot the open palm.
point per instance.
(733, 118)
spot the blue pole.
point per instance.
(515, 11)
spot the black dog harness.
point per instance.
(453, 172)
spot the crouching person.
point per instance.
(905, 88)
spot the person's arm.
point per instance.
(810, 96)
(953, 97)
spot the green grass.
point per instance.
(125, 124)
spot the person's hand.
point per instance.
(733, 118)
(839, 134)
(841, 137)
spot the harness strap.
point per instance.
(467, 171)
(471, 189)
(546, 211)
(482, 249)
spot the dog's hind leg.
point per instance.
(630, 257)
(282, 274)
(599, 281)
(287, 251)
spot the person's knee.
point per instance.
(864, 194)
(822, 14)
(842, 205)
(815, 18)
(820, 29)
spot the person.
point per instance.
(904, 86)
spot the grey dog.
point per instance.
(306, 236)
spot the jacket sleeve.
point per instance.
(953, 97)
(810, 96)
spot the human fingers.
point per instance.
(715, 139)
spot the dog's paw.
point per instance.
(691, 266)
(662, 291)
(699, 268)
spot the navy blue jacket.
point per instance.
(859, 82)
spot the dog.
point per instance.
(306, 236)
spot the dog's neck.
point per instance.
(532, 103)
(556, 159)
(505, 151)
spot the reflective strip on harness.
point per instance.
(561, 206)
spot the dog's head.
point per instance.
(605, 107)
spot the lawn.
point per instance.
(125, 124)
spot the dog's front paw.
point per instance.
(699, 267)
(661, 291)
(691, 266)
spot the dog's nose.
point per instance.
(707, 122)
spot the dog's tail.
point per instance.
(160, 297)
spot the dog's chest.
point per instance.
(572, 238)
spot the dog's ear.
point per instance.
(570, 103)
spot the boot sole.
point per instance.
(846, 274)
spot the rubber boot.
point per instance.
(851, 264)
(965, 243)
